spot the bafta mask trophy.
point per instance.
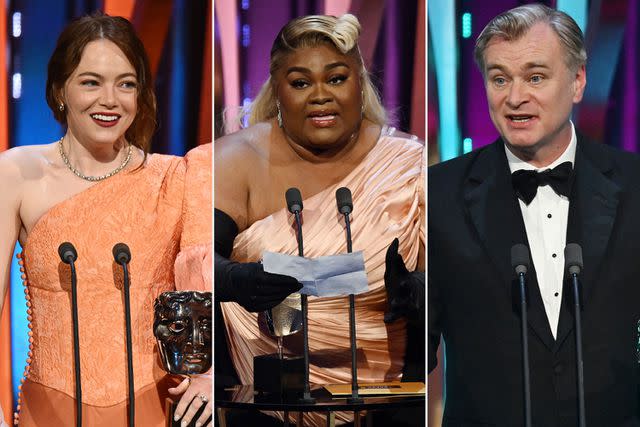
(279, 372)
(182, 327)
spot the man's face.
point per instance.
(531, 92)
(182, 326)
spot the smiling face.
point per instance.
(320, 97)
(100, 96)
(531, 92)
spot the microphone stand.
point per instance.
(355, 398)
(68, 255)
(579, 360)
(76, 341)
(306, 397)
(520, 261)
(525, 350)
(123, 260)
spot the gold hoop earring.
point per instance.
(279, 117)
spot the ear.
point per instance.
(274, 87)
(60, 95)
(579, 83)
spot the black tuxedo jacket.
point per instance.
(474, 220)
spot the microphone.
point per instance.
(69, 255)
(122, 256)
(520, 258)
(573, 258)
(345, 207)
(294, 200)
(573, 264)
(121, 253)
(521, 262)
(294, 204)
(343, 199)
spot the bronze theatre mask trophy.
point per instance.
(182, 327)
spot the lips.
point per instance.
(520, 121)
(195, 357)
(105, 119)
(519, 118)
(323, 118)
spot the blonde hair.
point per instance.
(311, 31)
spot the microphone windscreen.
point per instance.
(343, 199)
(520, 258)
(121, 253)
(294, 200)
(67, 252)
(573, 258)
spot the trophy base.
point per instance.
(285, 376)
(171, 406)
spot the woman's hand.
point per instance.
(405, 289)
(3, 423)
(249, 285)
(395, 282)
(196, 392)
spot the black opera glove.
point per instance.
(249, 285)
(405, 289)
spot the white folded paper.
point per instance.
(326, 276)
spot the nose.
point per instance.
(198, 339)
(108, 96)
(517, 95)
(321, 94)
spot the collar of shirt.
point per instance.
(569, 155)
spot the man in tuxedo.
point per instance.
(545, 186)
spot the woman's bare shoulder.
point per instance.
(237, 157)
(242, 145)
(20, 163)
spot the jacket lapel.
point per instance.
(495, 213)
(592, 211)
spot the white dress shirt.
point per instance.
(545, 220)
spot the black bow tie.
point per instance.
(526, 182)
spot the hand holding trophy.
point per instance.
(182, 327)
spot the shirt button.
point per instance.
(548, 215)
(558, 369)
(556, 294)
(554, 255)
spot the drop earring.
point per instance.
(279, 117)
(61, 107)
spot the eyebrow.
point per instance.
(326, 68)
(527, 66)
(92, 74)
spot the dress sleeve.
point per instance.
(193, 266)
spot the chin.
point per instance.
(328, 141)
(523, 140)
(106, 138)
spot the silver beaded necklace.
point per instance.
(79, 174)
